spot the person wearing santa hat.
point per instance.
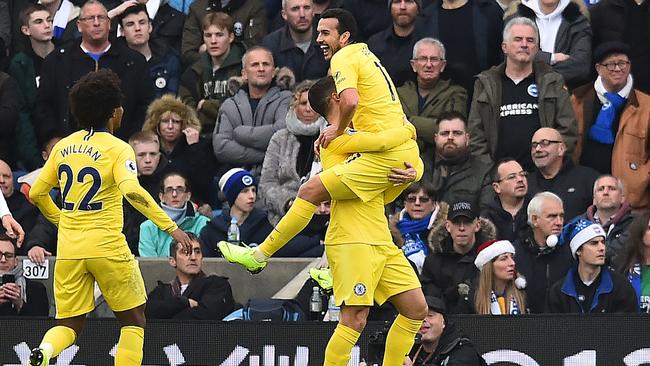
(590, 287)
(499, 288)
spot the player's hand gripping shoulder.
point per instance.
(181, 237)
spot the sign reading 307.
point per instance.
(35, 271)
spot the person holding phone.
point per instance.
(18, 295)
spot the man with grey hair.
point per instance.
(393, 45)
(424, 100)
(514, 99)
(539, 259)
(611, 211)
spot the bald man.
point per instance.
(555, 172)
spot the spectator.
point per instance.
(11, 104)
(615, 139)
(470, 30)
(634, 261)
(181, 145)
(22, 210)
(21, 297)
(590, 287)
(164, 62)
(556, 172)
(175, 195)
(240, 189)
(372, 16)
(514, 99)
(393, 45)
(410, 227)
(25, 68)
(294, 45)
(626, 22)
(63, 67)
(249, 24)
(454, 173)
(204, 84)
(146, 146)
(441, 342)
(539, 260)
(611, 211)
(247, 120)
(449, 270)
(564, 35)
(508, 210)
(423, 101)
(290, 156)
(192, 294)
(499, 288)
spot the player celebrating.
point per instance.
(94, 170)
(364, 94)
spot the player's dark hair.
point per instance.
(174, 174)
(23, 16)
(427, 188)
(347, 23)
(94, 97)
(173, 247)
(319, 95)
(134, 9)
(451, 115)
(494, 171)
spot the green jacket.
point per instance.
(156, 243)
(445, 96)
(554, 109)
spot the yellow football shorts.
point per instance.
(118, 277)
(365, 175)
(364, 274)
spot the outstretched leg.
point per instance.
(56, 339)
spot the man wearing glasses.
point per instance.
(555, 172)
(614, 118)
(67, 64)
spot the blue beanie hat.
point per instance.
(578, 232)
(234, 181)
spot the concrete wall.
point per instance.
(245, 286)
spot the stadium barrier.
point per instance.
(531, 340)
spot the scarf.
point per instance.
(176, 214)
(299, 128)
(61, 18)
(20, 282)
(444, 167)
(176, 284)
(498, 306)
(601, 131)
(414, 247)
(634, 276)
(181, 5)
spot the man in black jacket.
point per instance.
(192, 294)
(590, 287)
(18, 295)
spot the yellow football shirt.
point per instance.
(89, 168)
(379, 108)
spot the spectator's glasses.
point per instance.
(177, 190)
(513, 176)
(7, 255)
(92, 18)
(543, 143)
(611, 66)
(423, 60)
(422, 199)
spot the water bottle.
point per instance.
(233, 232)
(315, 304)
(333, 310)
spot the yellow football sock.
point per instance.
(129, 348)
(57, 339)
(340, 345)
(400, 340)
(291, 224)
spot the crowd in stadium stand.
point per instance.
(535, 138)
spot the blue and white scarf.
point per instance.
(414, 247)
(601, 130)
(61, 18)
(495, 308)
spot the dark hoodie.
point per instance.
(253, 230)
(508, 227)
(444, 269)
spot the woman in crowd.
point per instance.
(635, 259)
(498, 290)
(290, 155)
(178, 129)
(410, 227)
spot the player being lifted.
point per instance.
(368, 267)
(95, 170)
